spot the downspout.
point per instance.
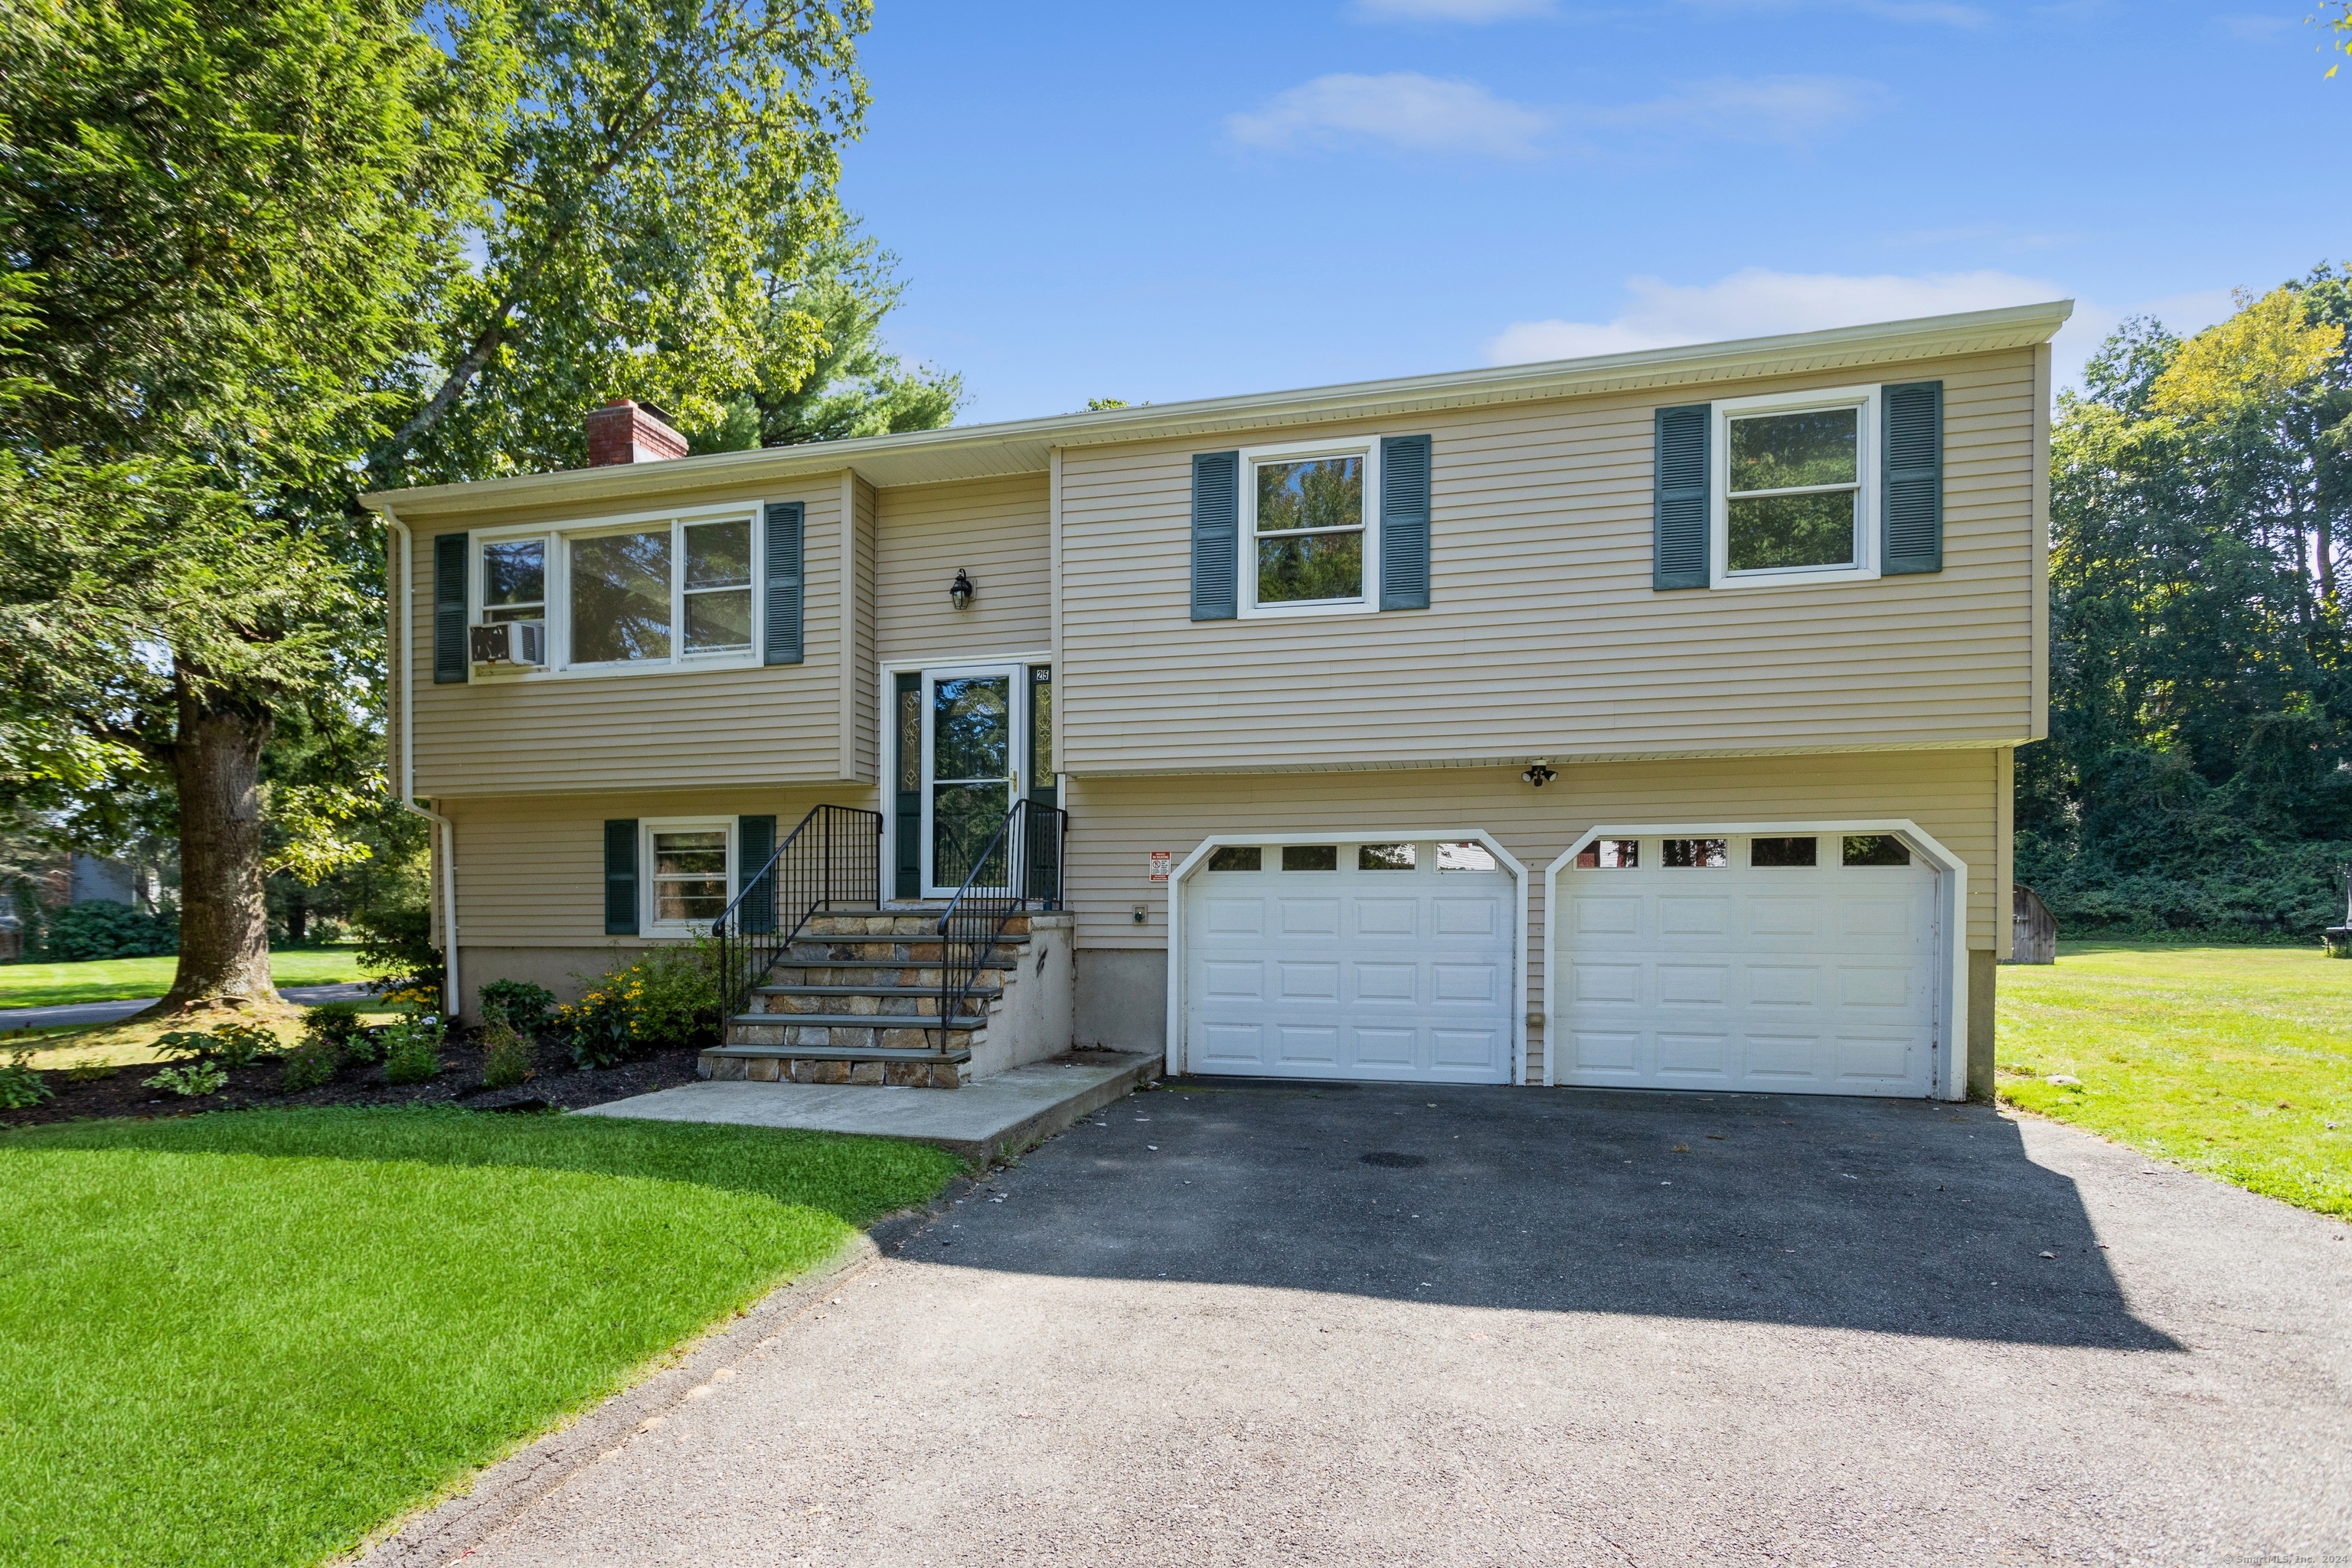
(451, 993)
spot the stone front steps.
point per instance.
(856, 999)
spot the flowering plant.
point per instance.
(668, 996)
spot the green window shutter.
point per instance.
(450, 663)
(1911, 499)
(621, 877)
(755, 841)
(1404, 522)
(1678, 555)
(780, 637)
(1216, 534)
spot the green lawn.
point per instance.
(2232, 1060)
(249, 1338)
(127, 979)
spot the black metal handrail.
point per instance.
(834, 857)
(1021, 866)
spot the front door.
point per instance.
(974, 768)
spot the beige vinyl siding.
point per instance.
(996, 530)
(531, 869)
(1116, 824)
(863, 716)
(1544, 637)
(536, 733)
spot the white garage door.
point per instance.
(1780, 964)
(1351, 961)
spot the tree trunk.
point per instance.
(224, 916)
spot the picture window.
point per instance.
(662, 593)
(1610, 854)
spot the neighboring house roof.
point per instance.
(1024, 446)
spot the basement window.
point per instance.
(691, 865)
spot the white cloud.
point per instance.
(1473, 11)
(1755, 303)
(2256, 29)
(1404, 108)
(1936, 12)
(1784, 109)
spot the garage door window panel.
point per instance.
(1310, 856)
(1876, 849)
(1236, 858)
(1782, 852)
(1695, 854)
(1610, 854)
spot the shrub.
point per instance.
(230, 1045)
(335, 1020)
(412, 1050)
(506, 1058)
(669, 997)
(21, 1087)
(398, 943)
(82, 933)
(311, 1064)
(197, 1077)
(340, 1024)
(239, 1045)
(526, 1006)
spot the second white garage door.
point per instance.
(1803, 964)
(1381, 960)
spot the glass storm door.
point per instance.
(973, 770)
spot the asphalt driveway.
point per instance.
(1273, 1323)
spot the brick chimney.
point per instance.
(626, 432)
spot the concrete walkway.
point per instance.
(1272, 1324)
(1004, 1114)
(81, 1014)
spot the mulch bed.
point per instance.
(557, 1084)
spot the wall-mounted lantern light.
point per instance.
(961, 592)
(1539, 774)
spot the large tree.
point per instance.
(2196, 777)
(268, 252)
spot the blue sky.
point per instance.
(1163, 201)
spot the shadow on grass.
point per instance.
(858, 1180)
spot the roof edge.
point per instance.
(1013, 447)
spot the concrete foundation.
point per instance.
(566, 971)
(1122, 999)
(1982, 968)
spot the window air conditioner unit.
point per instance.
(511, 642)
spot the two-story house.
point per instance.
(1643, 720)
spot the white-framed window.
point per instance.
(1310, 528)
(689, 872)
(621, 595)
(1793, 494)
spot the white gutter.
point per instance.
(452, 995)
